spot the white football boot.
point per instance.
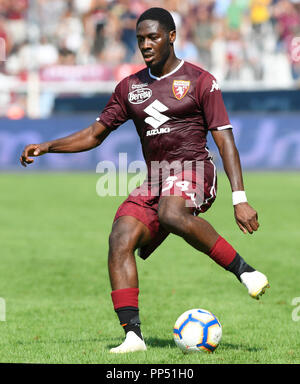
(256, 283)
(132, 343)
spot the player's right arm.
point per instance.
(113, 115)
(80, 141)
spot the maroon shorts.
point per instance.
(197, 187)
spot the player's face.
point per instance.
(154, 42)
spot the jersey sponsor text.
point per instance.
(153, 132)
(139, 95)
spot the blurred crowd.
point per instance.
(235, 39)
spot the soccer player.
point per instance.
(173, 105)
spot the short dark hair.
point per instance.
(161, 15)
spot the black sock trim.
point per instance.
(126, 308)
(129, 319)
(239, 266)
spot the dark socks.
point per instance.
(239, 266)
(129, 319)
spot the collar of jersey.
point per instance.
(167, 74)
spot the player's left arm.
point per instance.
(245, 216)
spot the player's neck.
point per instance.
(168, 66)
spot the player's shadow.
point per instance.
(168, 343)
(160, 343)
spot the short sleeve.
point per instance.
(210, 99)
(115, 112)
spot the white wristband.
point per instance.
(239, 197)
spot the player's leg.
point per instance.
(127, 233)
(178, 219)
(126, 236)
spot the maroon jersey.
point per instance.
(172, 113)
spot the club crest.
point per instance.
(180, 88)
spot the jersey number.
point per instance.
(156, 118)
(183, 185)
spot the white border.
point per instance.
(168, 74)
(224, 127)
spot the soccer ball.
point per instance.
(197, 330)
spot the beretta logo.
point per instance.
(139, 96)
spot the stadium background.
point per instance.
(61, 61)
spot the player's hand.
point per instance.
(32, 150)
(246, 218)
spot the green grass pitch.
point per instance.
(54, 280)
